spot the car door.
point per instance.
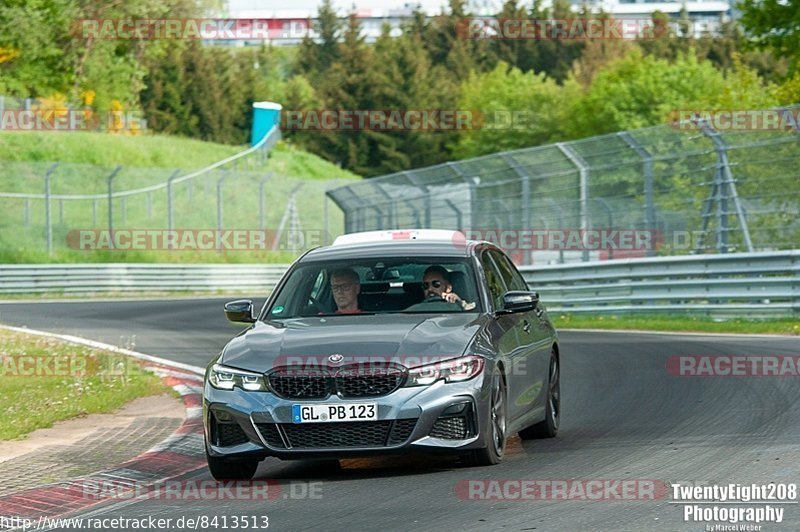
(532, 364)
(506, 334)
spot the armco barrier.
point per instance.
(736, 284)
(98, 278)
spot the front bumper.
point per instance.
(242, 424)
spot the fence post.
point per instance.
(647, 167)
(94, 213)
(110, 180)
(219, 211)
(47, 219)
(610, 219)
(123, 210)
(149, 205)
(427, 195)
(262, 216)
(471, 183)
(27, 212)
(459, 214)
(583, 170)
(326, 225)
(525, 211)
(558, 208)
(724, 184)
(169, 200)
(392, 215)
(289, 215)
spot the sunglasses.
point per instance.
(434, 284)
(342, 287)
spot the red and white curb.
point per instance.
(180, 453)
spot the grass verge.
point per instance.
(44, 380)
(676, 323)
(153, 151)
(87, 159)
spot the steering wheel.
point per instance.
(313, 302)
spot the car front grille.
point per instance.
(352, 382)
(356, 434)
(401, 431)
(450, 428)
(229, 434)
(297, 384)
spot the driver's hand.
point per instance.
(451, 297)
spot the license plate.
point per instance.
(328, 413)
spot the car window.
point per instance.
(385, 285)
(493, 280)
(319, 284)
(510, 274)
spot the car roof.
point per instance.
(365, 250)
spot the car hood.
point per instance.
(410, 339)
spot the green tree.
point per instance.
(347, 85)
(314, 59)
(639, 91)
(405, 79)
(774, 25)
(522, 109)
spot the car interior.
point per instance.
(385, 287)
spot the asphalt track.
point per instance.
(624, 417)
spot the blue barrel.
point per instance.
(266, 115)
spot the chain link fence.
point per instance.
(66, 211)
(671, 189)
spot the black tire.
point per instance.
(493, 453)
(548, 428)
(231, 469)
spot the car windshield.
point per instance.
(377, 286)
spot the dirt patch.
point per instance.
(65, 433)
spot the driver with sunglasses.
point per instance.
(436, 282)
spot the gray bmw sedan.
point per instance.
(385, 342)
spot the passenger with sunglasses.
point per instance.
(436, 283)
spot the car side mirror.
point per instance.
(520, 301)
(240, 311)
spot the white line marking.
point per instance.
(108, 347)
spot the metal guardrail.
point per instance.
(100, 278)
(737, 284)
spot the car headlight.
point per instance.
(455, 370)
(225, 378)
